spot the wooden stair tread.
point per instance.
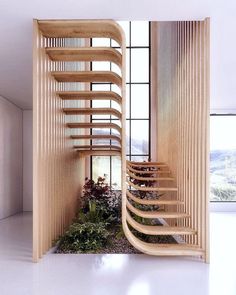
(84, 54)
(94, 125)
(92, 111)
(163, 249)
(88, 76)
(81, 29)
(150, 178)
(148, 164)
(98, 137)
(155, 214)
(97, 146)
(152, 189)
(153, 202)
(99, 153)
(159, 230)
(149, 171)
(90, 95)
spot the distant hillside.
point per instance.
(222, 159)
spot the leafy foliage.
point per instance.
(100, 209)
(106, 200)
(84, 237)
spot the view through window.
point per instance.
(223, 158)
(137, 100)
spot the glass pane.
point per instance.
(140, 101)
(140, 65)
(101, 66)
(139, 137)
(127, 57)
(223, 158)
(101, 167)
(125, 27)
(116, 89)
(128, 101)
(140, 33)
(116, 172)
(101, 42)
(100, 103)
(127, 137)
(101, 130)
(139, 158)
(116, 69)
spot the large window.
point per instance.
(223, 158)
(137, 99)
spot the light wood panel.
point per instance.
(95, 125)
(82, 29)
(159, 230)
(90, 95)
(86, 76)
(153, 201)
(97, 146)
(85, 54)
(183, 119)
(92, 111)
(61, 87)
(98, 137)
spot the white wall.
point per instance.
(11, 200)
(27, 160)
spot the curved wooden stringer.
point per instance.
(138, 179)
(154, 178)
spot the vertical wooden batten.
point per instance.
(183, 119)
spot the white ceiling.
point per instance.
(16, 36)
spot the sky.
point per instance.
(223, 132)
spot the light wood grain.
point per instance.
(95, 125)
(159, 230)
(92, 111)
(85, 54)
(90, 95)
(87, 76)
(97, 137)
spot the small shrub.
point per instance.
(107, 201)
(84, 237)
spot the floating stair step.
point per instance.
(153, 202)
(148, 165)
(94, 125)
(159, 230)
(88, 76)
(90, 95)
(92, 111)
(99, 153)
(150, 178)
(98, 137)
(152, 189)
(149, 171)
(155, 214)
(145, 163)
(163, 249)
(92, 147)
(81, 29)
(85, 54)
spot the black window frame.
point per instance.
(129, 155)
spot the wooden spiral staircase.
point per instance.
(169, 209)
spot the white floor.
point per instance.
(115, 274)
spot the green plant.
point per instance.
(96, 213)
(84, 237)
(107, 200)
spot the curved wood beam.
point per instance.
(153, 202)
(88, 76)
(152, 189)
(82, 29)
(90, 95)
(85, 54)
